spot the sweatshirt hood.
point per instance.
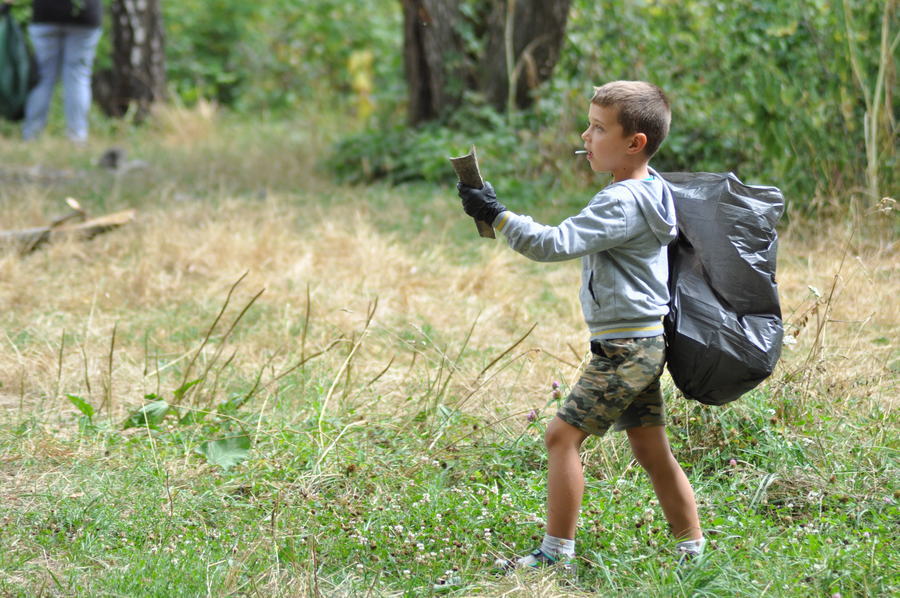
(660, 214)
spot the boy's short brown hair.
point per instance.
(643, 108)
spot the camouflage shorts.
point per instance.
(619, 388)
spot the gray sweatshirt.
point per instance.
(621, 238)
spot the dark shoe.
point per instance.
(536, 560)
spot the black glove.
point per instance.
(480, 204)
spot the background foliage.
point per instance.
(762, 88)
(272, 55)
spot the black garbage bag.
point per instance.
(18, 69)
(724, 329)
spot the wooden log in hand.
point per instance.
(466, 168)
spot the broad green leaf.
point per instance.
(180, 391)
(232, 404)
(149, 415)
(192, 417)
(82, 405)
(225, 452)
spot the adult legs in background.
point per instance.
(67, 50)
(48, 49)
(79, 47)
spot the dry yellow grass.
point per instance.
(180, 126)
(160, 283)
(133, 278)
(839, 292)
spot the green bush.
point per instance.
(763, 89)
(512, 151)
(276, 54)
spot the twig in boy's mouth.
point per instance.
(580, 152)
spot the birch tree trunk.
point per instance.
(138, 77)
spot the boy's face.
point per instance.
(607, 145)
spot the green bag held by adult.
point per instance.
(15, 67)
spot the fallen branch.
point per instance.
(29, 239)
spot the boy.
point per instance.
(621, 238)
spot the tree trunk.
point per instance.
(538, 33)
(440, 67)
(139, 69)
(430, 44)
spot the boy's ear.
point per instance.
(638, 143)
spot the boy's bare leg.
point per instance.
(650, 446)
(565, 478)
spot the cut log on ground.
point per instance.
(29, 239)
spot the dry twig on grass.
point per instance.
(28, 240)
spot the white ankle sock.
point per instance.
(691, 546)
(558, 547)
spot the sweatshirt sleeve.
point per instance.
(599, 226)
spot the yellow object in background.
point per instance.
(360, 67)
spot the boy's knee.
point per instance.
(551, 438)
(652, 456)
(651, 448)
(645, 457)
(654, 459)
(560, 434)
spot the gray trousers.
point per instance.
(67, 51)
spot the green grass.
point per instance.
(352, 505)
